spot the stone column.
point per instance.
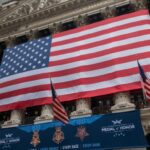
(32, 34)
(122, 103)
(109, 12)
(56, 27)
(46, 115)
(16, 118)
(83, 108)
(145, 115)
(81, 20)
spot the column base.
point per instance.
(83, 108)
(16, 118)
(123, 107)
(11, 123)
(80, 114)
(43, 119)
(46, 115)
(122, 103)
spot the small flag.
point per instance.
(58, 109)
(145, 82)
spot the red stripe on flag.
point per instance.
(104, 22)
(80, 69)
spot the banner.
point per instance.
(118, 130)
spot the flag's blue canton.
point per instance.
(25, 57)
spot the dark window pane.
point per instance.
(121, 10)
(43, 33)
(21, 39)
(68, 25)
(94, 18)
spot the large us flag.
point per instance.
(93, 60)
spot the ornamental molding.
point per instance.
(26, 8)
(32, 15)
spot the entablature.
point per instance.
(33, 15)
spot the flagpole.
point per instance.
(143, 81)
(144, 96)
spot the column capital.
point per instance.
(83, 108)
(81, 20)
(31, 34)
(109, 12)
(46, 115)
(16, 118)
(122, 102)
(56, 27)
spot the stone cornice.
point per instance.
(46, 17)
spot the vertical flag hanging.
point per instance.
(145, 82)
(58, 109)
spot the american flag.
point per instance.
(58, 109)
(145, 82)
(93, 60)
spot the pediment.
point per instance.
(25, 7)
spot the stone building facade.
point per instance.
(24, 20)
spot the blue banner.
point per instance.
(119, 130)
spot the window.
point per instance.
(4, 116)
(121, 10)
(43, 33)
(21, 39)
(31, 113)
(68, 25)
(102, 104)
(69, 106)
(94, 18)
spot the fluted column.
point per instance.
(46, 115)
(16, 118)
(122, 103)
(83, 108)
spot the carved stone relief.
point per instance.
(32, 14)
(30, 7)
